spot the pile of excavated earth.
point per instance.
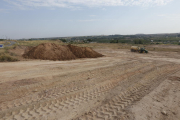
(52, 51)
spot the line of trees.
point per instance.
(138, 41)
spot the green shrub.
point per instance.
(6, 58)
(63, 40)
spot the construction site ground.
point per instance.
(119, 86)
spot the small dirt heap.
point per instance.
(84, 52)
(52, 51)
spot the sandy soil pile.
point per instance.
(52, 51)
(84, 52)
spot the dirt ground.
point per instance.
(165, 46)
(119, 86)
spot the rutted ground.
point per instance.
(103, 88)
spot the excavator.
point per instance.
(138, 49)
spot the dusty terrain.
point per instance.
(119, 86)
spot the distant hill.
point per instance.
(146, 38)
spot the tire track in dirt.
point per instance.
(55, 104)
(102, 87)
(58, 90)
(115, 108)
(48, 105)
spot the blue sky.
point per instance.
(60, 18)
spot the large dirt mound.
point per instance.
(84, 52)
(52, 51)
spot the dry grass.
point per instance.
(102, 45)
(128, 46)
(2, 51)
(164, 50)
(37, 42)
(105, 45)
(6, 58)
(1, 42)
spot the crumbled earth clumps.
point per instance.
(52, 51)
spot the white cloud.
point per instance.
(90, 3)
(170, 16)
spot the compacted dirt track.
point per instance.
(109, 88)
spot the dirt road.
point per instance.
(120, 86)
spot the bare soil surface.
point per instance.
(119, 86)
(165, 46)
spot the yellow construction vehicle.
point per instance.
(138, 49)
